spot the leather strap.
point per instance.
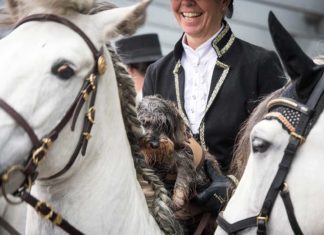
(198, 153)
(63, 21)
(21, 121)
(48, 213)
(316, 94)
(11, 230)
(202, 224)
(290, 212)
(87, 125)
(237, 226)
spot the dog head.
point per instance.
(165, 130)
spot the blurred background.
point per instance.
(304, 19)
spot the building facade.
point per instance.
(303, 19)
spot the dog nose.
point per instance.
(155, 144)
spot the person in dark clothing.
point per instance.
(137, 53)
(215, 78)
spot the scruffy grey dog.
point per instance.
(166, 149)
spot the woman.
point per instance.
(215, 78)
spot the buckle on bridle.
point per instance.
(262, 219)
(90, 114)
(300, 138)
(44, 204)
(5, 178)
(58, 218)
(92, 79)
(36, 157)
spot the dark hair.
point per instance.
(230, 10)
(141, 67)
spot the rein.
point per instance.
(87, 92)
(298, 115)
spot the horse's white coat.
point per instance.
(305, 181)
(100, 193)
(14, 214)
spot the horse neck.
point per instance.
(103, 195)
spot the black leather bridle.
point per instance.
(40, 147)
(298, 130)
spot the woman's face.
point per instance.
(199, 19)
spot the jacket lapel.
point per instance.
(221, 45)
(220, 74)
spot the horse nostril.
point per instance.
(155, 144)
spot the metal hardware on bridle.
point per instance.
(88, 93)
(5, 177)
(296, 118)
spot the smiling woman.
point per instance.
(210, 74)
(199, 21)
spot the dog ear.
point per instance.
(182, 133)
(179, 128)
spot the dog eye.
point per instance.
(145, 123)
(167, 128)
(63, 70)
(260, 145)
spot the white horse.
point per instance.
(43, 65)
(15, 215)
(269, 139)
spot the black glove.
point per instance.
(215, 197)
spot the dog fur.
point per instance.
(165, 148)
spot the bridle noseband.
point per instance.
(297, 119)
(87, 92)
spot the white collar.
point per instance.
(198, 54)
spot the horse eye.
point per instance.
(63, 70)
(260, 145)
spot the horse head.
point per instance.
(45, 61)
(58, 88)
(286, 153)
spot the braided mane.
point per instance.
(155, 193)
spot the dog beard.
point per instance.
(162, 155)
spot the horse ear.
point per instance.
(298, 65)
(122, 20)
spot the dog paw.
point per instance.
(178, 199)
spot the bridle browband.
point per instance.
(297, 120)
(40, 147)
